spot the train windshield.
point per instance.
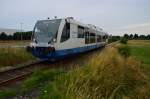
(46, 30)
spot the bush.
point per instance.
(124, 51)
(113, 39)
(124, 41)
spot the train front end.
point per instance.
(44, 38)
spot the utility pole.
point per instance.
(21, 29)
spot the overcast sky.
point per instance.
(114, 16)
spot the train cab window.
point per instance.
(65, 33)
(80, 32)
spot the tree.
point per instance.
(25, 35)
(17, 36)
(126, 36)
(148, 37)
(9, 37)
(3, 36)
(143, 37)
(136, 36)
(131, 36)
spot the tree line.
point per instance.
(129, 37)
(27, 36)
(137, 37)
(16, 36)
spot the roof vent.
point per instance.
(69, 17)
(55, 17)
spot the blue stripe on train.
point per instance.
(58, 54)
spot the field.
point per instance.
(141, 50)
(14, 43)
(11, 55)
(104, 74)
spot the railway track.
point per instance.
(9, 76)
(21, 72)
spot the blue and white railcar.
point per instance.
(58, 38)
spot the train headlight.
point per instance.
(34, 41)
(54, 40)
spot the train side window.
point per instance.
(104, 38)
(99, 38)
(86, 37)
(65, 33)
(92, 38)
(80, 32)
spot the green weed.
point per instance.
(39, 78)
(7, 93)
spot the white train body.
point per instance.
(58, 38)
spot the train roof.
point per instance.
(91, 27)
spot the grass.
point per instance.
(13, 56)
(38, 78)
(140, 50)
(103, 76)
(10, 56)
(142, 53)
(35, 83)
(139, 42)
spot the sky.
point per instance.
(115, 16)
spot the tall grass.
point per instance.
(13, 56)
(103, 78)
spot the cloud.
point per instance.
(137, 26)
(143, 28)
(107, 14)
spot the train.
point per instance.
(58, 38)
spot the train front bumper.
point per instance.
(41, 52)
